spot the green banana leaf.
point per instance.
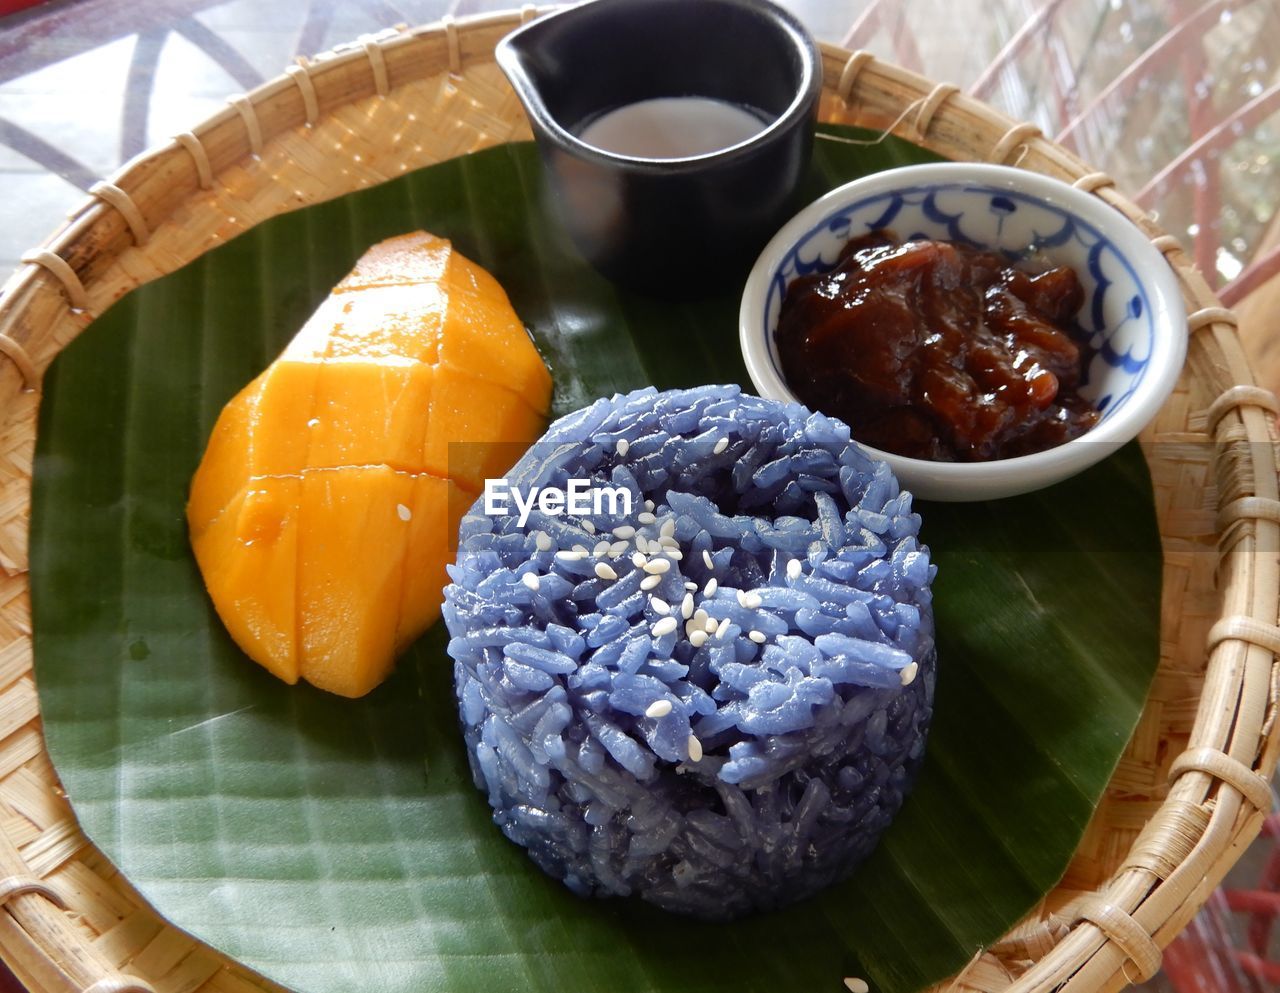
(337, 845)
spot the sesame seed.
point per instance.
(674, 554)
(690, 585)
(649, 582)
(604, 571)
(710, 625)
(706, 559)
(588, 527)
(602, 548)
(695, 749)
(686, 606)
(908, 673)
(712, 585)
(749, 599)
(659, 708)
(793, 569)
(581, 550)
(642, 544)
(742, 597)
(542, 541)
(666, 541)
(698, 638)
(573, 556)
(638, 560)
(721, 445)
(403, 512)
(699, 617)
(661, 606)
(531, 580)
(617, 549)
(855, 985)
(756, 636)
(668, 528)
(664, 626)
(624, 531)
(722, 630)
(646, 517)
(657, 566)
(622, 446)
(648, 505)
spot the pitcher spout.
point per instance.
(517, 56)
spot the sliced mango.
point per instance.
(324, 510)
(477, 430)
(463, 274)
(370, 413)
(280, 435)
(436, 507)
(482, 336)
(249, 558)
(350, 570)
(402, 322)
(419, 257)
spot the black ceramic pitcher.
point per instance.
(668, 224)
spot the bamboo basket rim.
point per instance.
(1098, 938)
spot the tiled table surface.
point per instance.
(1184, 90)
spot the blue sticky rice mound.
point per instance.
(752, 752)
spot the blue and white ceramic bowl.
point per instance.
(1132, 307)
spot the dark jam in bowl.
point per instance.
(939, 351)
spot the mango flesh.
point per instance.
(249, 554)
(323, 511)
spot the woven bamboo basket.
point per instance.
(1192, 788)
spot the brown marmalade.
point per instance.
(938, 351)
